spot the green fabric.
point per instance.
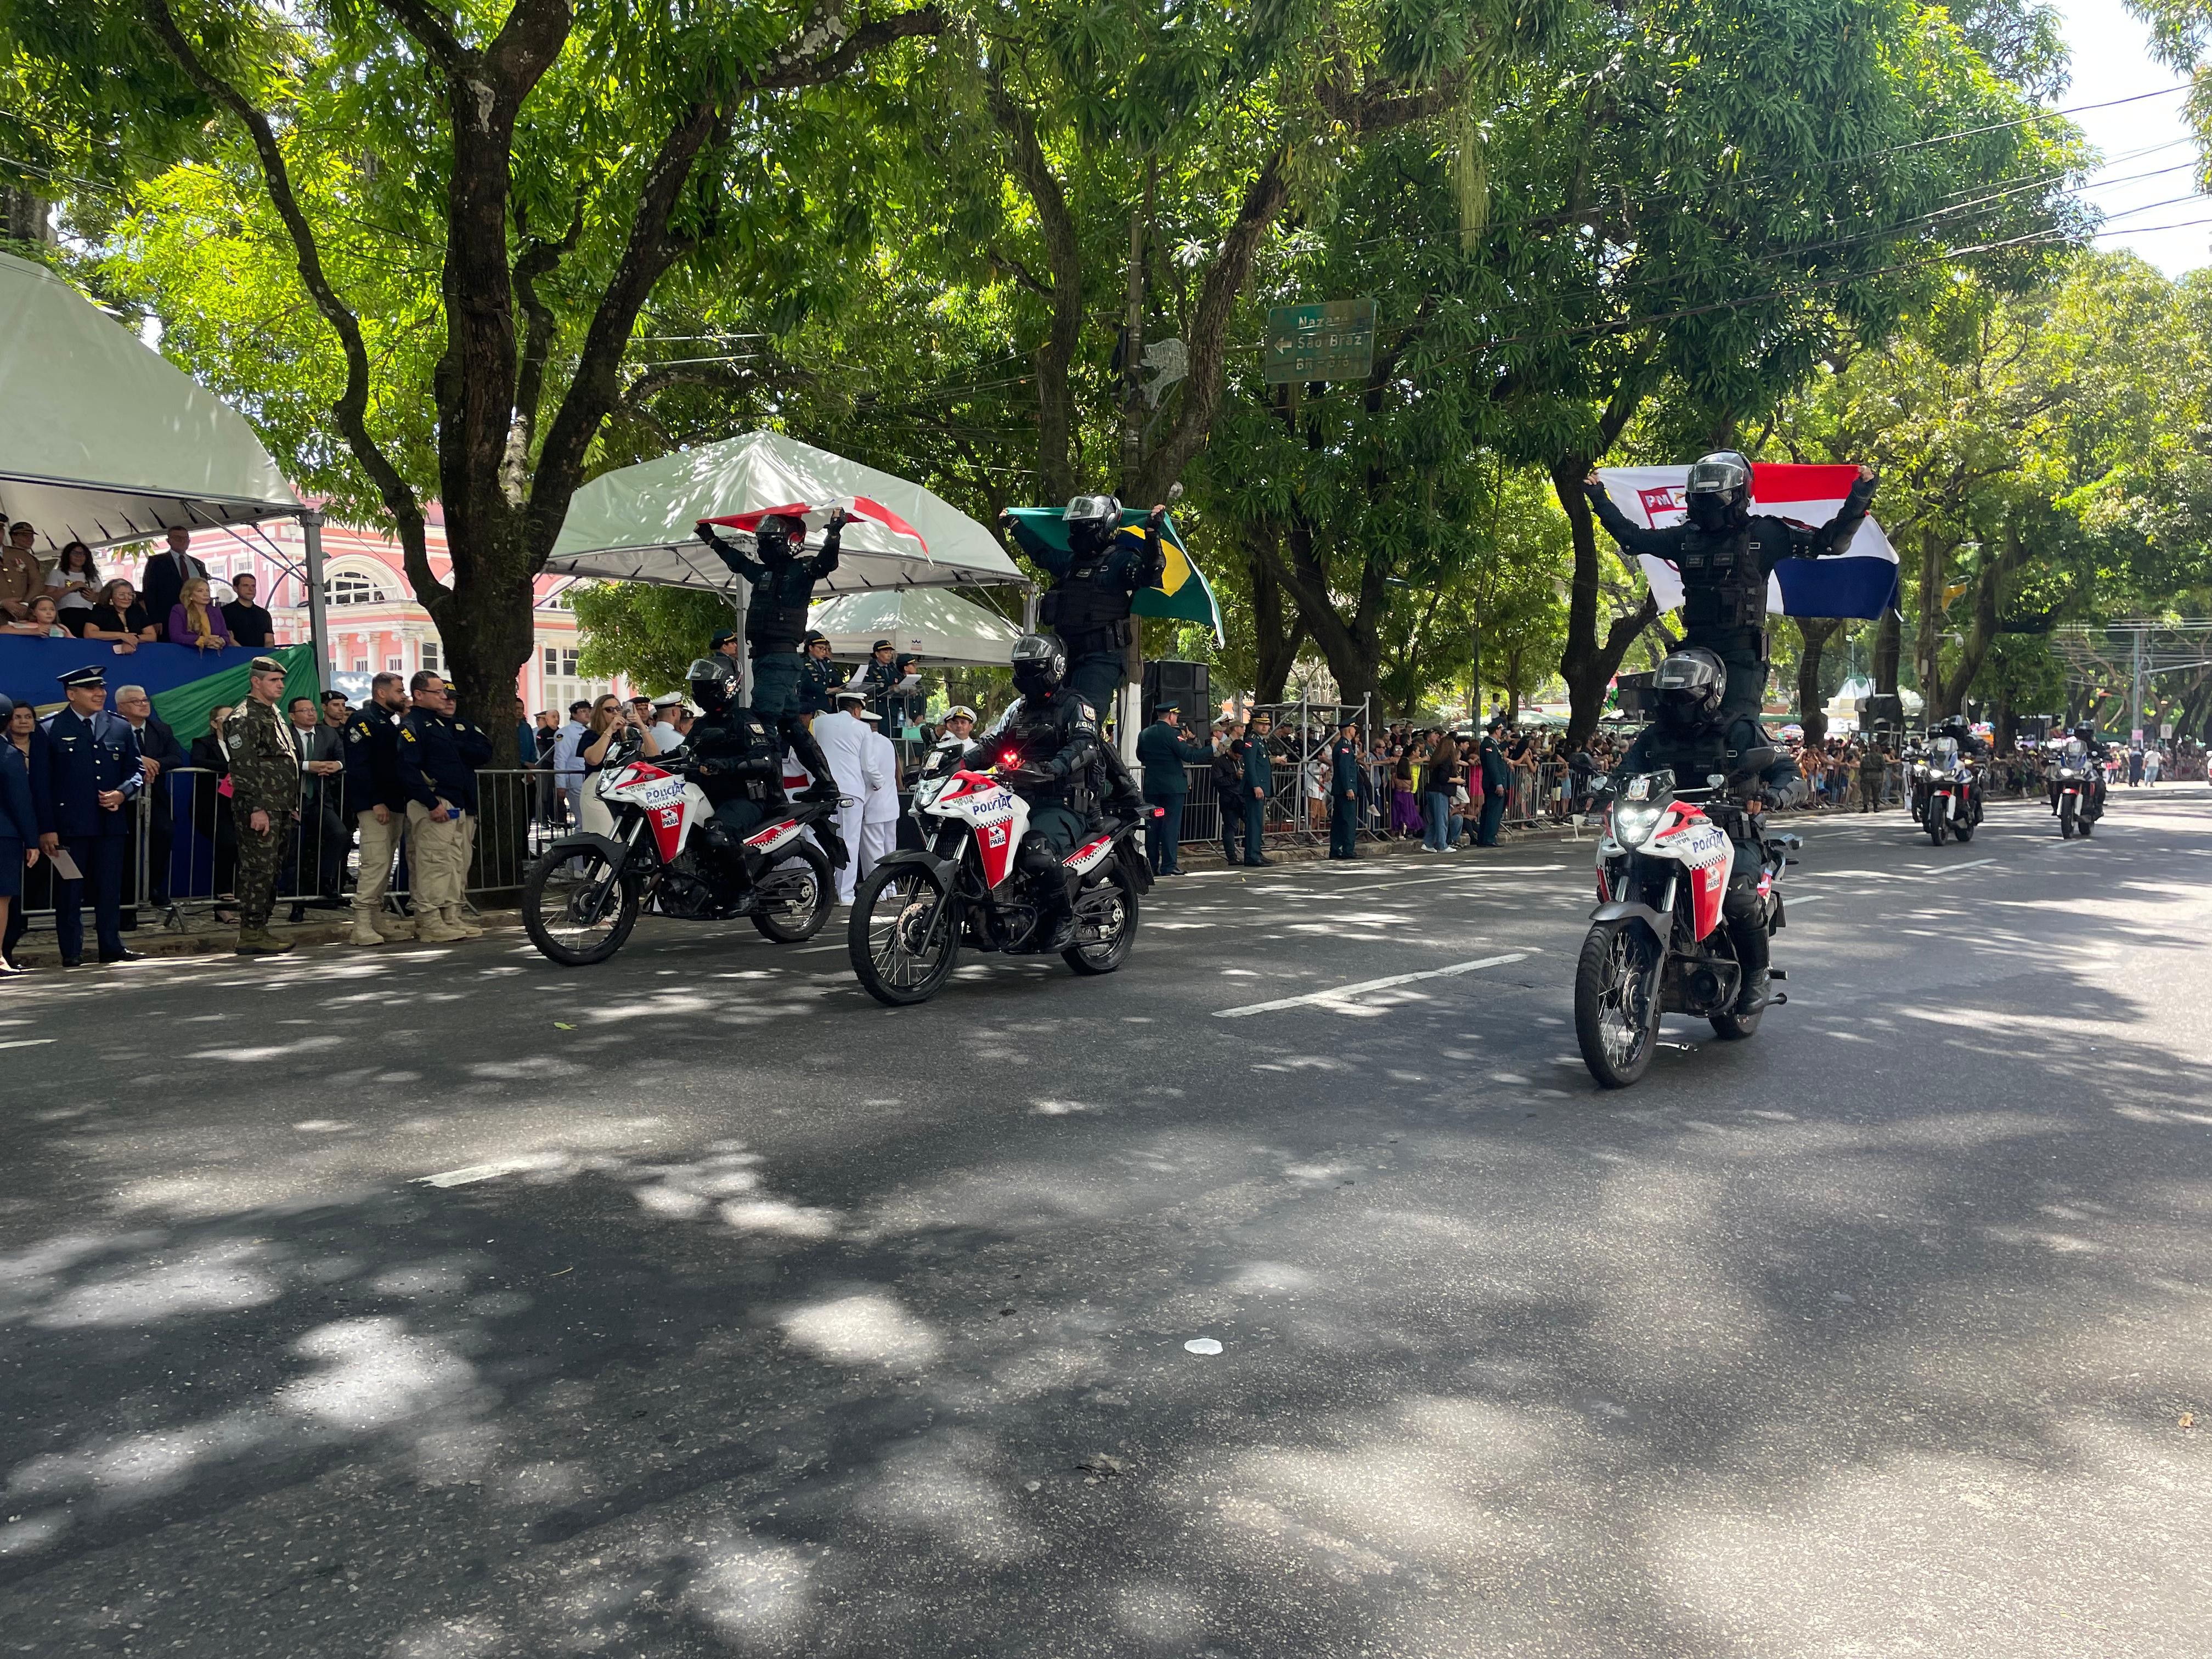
(186, 708)
(1182, 594)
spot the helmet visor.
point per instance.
(1716, 476)
(1688, 672)
(1092, 509)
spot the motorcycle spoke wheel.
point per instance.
(576, 910)
(1617, 1003)
(794, 898)
(903, 936)
(1103, 937)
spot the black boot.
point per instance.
(1748, 935)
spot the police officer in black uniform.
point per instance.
(96, 772)
(776, 624)
(818, 677)
(1093, 584)
(1692, 736)
(1725, 556)
(736, 758)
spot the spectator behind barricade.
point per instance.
(377, 795)
(23, 825)
(614, 735)
(439, 755)
(211, 812)
(73, 583)
(121, 618)
(1440, 777)
(43, 622)
(195, 620)
(160, 752)
(544, 737)
(322, 841)
(1406, 756)
(250, 625)
(568, 761)
(22, 578)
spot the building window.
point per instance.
(560, 665)
(395, 665)
(361, 664)
(434, 658)
(351, 587)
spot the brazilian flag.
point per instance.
(1182, 594)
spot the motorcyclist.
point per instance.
(776, 624)
(2094, 752)
(1047, 748)
(1725, 556)
(735, 757)
(1692, 736)
(1093, 584)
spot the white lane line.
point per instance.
(26, 1043)
(1338, 994)
(470, 1173)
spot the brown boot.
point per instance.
(430, 928)
(260, 942)
(453, 917)
(364, 931)
(393, 926)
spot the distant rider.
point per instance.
(1725, 556)
(1692, 737)
(776, 624)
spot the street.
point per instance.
(438, 1302)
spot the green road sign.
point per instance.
(1332, 341)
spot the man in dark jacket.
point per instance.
(162, 582)
(1496, 784)
(1163, 750)
(97, 774)
(1344, 778)
(439, 753)
(378, 796)
(158, 746)
(1259, 782)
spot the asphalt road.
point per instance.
(439, 1302)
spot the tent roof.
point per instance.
(638, 523)
(929, 624)
(103, 440)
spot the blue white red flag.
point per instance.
(1859, 581)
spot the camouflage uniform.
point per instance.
(264, 776)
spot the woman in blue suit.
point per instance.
(18, 839)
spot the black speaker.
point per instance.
(1187, 684)
(1880, 713)
(1631, 693)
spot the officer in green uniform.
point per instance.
(265, 782)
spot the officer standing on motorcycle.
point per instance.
(1725, 556)
(1093, 584)
(776, 624)
(1692, 736)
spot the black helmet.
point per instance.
(714, 682)
(1689, 686)
(779, 534)
(1040, 664)
(7, 709)
(2087, 732)
(1719, 490)
(1091, 522)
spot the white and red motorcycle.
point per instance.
(584, 895)
(1657, 944)
(913, 911)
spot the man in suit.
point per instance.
(158, 747)
(323, 840)
(1163, 750)
(97, 773)
(1496, 784)
(165, 574)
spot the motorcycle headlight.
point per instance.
(1632, 825)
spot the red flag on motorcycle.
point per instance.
(856, 507)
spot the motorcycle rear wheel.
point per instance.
(1106, 954)
(903, 936)
(1617, 1002)
(795, 895)
(571, 912)
(1964, 829)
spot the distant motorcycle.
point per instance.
(1657, 944)
(2080, 786)
(1949, 791)
(581, 899)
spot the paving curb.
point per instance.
(158, 943)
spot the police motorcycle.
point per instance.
(667, 851)
(1657, 943)
(1946, 793)
(970, 887)
(2079, 780)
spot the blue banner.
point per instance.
(184, 682)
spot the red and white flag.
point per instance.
(887, 522)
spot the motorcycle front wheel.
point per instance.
(1964, 829)
(1617, 1002)
(2066, 819)
(903, 936)
(1936, 824)
(576, 910)
(794, 895)
(1115, 927)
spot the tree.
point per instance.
(520, 181)
(648, 636)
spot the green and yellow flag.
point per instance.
(1182, 594)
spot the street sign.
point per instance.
(1331, 341)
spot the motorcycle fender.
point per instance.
(617, 853)
(944, 869)
(1623, 911)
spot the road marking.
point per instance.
(469, 1173)
(26, 1043)
(1338, 994)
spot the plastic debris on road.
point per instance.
(1201, 1344)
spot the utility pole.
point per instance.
(2135, 719)
(1132, 449)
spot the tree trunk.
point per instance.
(1277, 629)
(23, 215)
(1888, 647)
(1813, 633)
(1513, 684)
(1353, 647)
(1928, 640)
(1588, 663)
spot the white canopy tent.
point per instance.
(638, 524)
(930, 623)
(105, 442)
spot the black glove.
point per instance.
(706, 533)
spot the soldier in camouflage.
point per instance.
(264, 781)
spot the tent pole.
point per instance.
(319, 620)
(1029, 610)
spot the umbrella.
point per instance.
(1182, 594)
(929, 624)
(638, 524)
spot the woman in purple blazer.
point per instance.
(197, 619)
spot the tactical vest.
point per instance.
(1693, 759)
(1724, 580)
(1038, 731)
(1088, 615)
(777, 616)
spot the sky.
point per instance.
(2111, 59)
